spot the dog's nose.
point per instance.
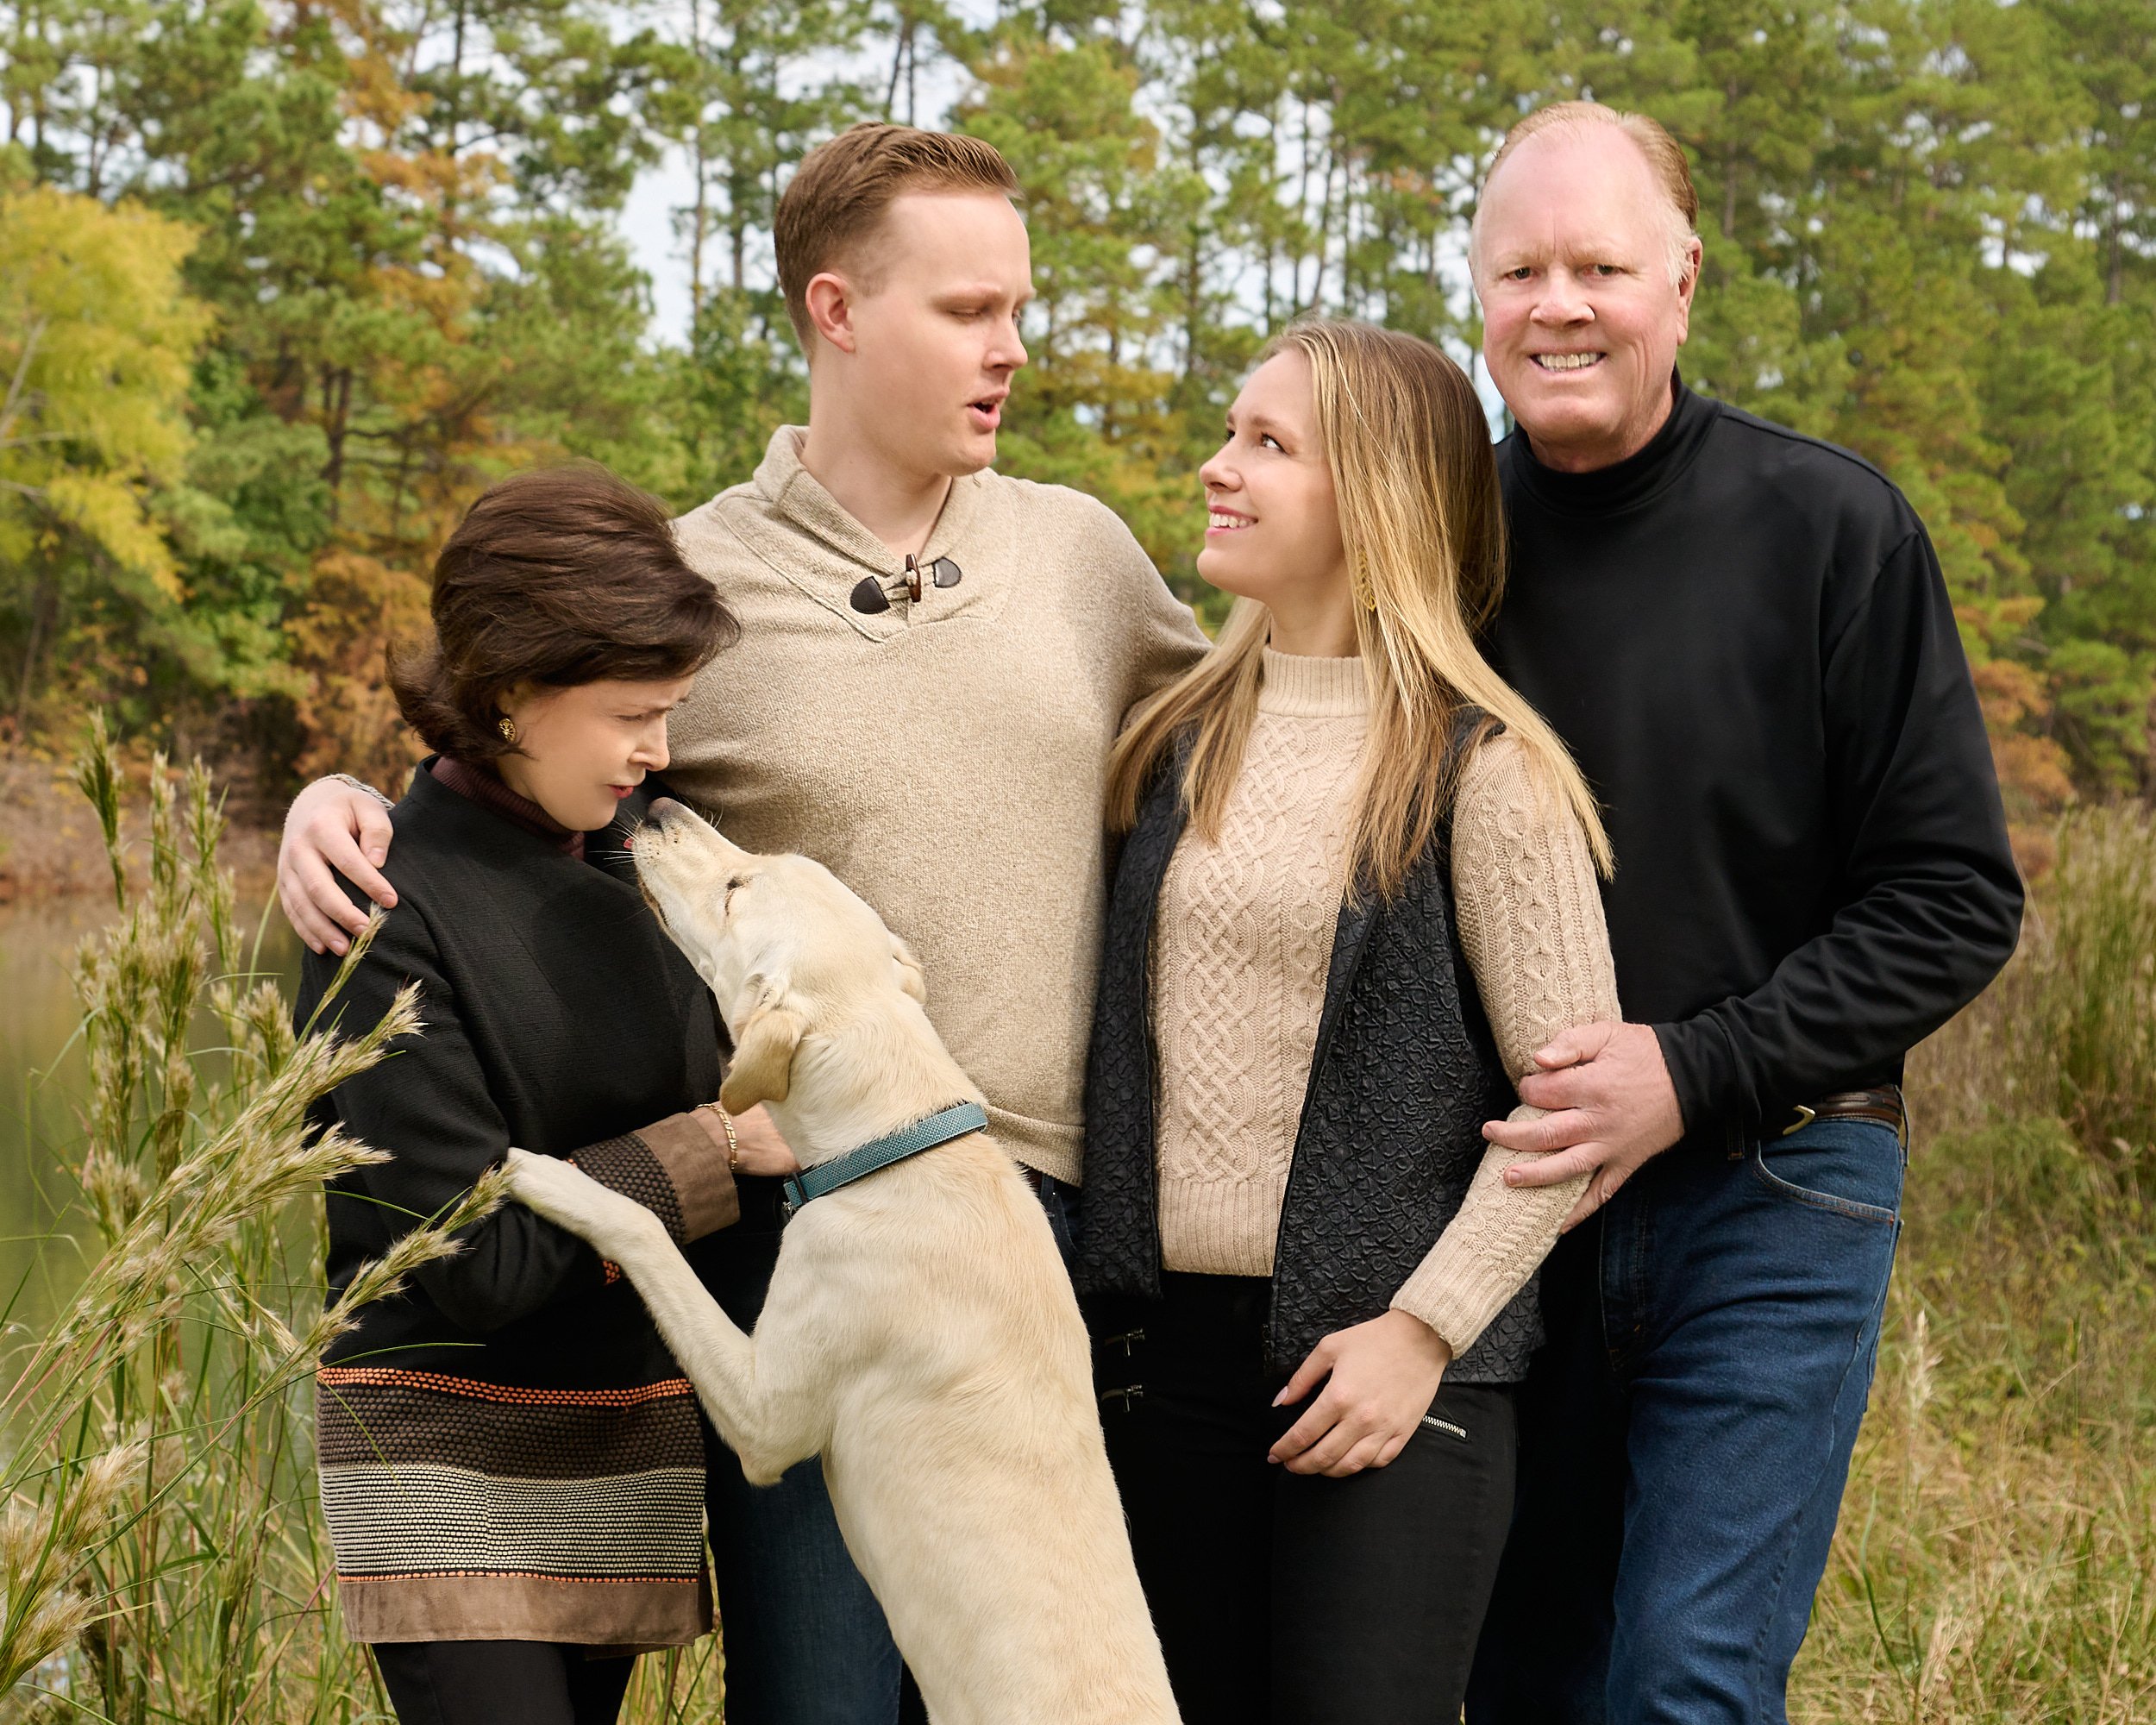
(661, 808)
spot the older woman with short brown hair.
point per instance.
(512, 1467)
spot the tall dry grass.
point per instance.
(161, 1557)
(1996, 1559)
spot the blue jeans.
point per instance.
(1685, 1434)
(806, 1641)
(1061, 1201)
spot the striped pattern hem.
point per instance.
(533, 1574)
(460, 1509)
(416, 1518)
(336, 1376)
(631, 1615)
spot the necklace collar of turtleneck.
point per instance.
(1639, 477)
(1305, 688)
(477, 784)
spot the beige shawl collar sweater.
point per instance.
(946, 758)
(1242, 944)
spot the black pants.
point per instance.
(1288, 1596)
(501, 1683)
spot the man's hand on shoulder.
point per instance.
(330, 825)
(1611, 1106)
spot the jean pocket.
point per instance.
(1847, 1168)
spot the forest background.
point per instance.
(284, 284)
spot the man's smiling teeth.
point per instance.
(1215, 518)
(1566, 362)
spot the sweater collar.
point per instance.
(798, 495)
(1624, 485)
(1303, 688)
(477, 784)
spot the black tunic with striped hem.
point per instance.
(506, 1450)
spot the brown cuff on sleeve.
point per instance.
(697, 1169)
(675, 1171)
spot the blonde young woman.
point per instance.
(1359, 890)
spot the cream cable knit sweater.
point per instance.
(1242, 944)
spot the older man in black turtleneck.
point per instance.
(1745, 636)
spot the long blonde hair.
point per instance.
(1415, 481)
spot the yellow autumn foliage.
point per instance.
(97, 336)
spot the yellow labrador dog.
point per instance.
(920, 1333)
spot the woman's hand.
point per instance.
(332, 826)
(758, 1149)
(1383, 1377)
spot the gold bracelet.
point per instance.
(733, 1144)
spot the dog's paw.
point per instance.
(570, 1198)
(545, 1184)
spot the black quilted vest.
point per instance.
(1404, 1073)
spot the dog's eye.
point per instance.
(732, 887)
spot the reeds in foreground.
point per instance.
(161, 1549)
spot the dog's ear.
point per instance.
(909, 968)
(763, 1052)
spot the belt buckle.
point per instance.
(1804, 1117)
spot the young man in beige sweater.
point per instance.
(934, 662)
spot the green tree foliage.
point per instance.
(1930, 228)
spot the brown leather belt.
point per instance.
(1884, 1104)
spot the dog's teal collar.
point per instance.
(879, 1153)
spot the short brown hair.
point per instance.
(1666, 160)
(562, 576)
(839, 194)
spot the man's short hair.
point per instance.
(841, 193)
(1665, 159)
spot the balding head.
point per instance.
(1663, 154)
(1585, 260)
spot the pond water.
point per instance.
(42, 1074)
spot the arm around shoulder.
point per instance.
(337, 826)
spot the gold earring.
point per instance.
(508, 729)
(1365, 594)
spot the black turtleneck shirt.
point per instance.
(1745, 637)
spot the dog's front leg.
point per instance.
(769, 1431)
